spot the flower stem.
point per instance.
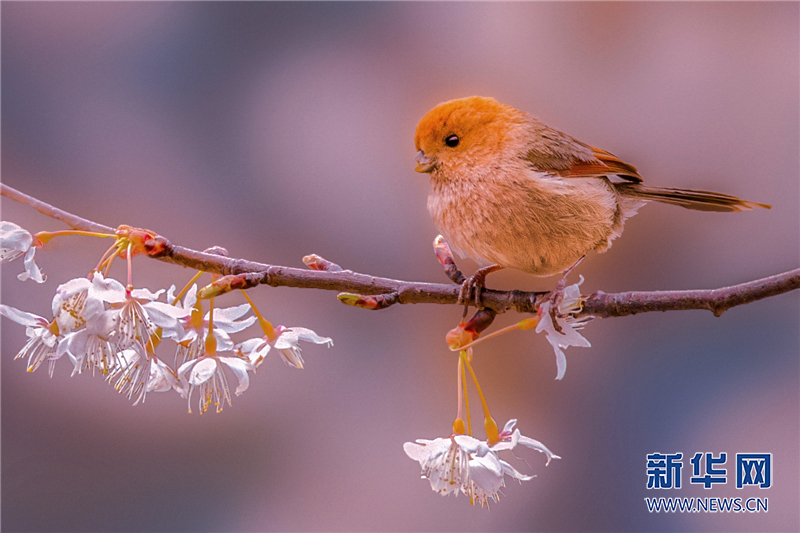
(105, 257)
(186, 287)
(463, 377)
(211, 340)
(129, 288)
(460, 394)
(109, 262)
(266, 325)
(528, 323)
(45, 236)
(492, 435)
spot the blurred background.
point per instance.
(283, 129)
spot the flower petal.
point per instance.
(224, 341)
(14, 241)
(251, 345)
(171, 294)
(202, 371)
(561, 359)
(254, 350)
(536, 445)
(309, 336)
(168, 318)
(107, 289)
(224, 319)
(22, 317)
(513, 472)
(286, 340)
(145, 294)
(240, 368)
(509, 427)
(569, 337)
(185, 367)
(161, 378)
(487, 473)
(31, 268)
(191, 297)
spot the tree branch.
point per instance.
(717, 301)
(364, 287)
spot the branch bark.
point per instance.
(599, 304)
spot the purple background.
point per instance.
(279, 130)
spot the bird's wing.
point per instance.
(606, 164)
(569, 158)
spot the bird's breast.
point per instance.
(530, 221)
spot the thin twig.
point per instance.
(74, 221)
(600, 304)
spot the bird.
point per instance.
(511, 192)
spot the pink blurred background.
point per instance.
(279, 130)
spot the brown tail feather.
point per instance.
(699, 200)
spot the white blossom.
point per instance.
(74, 303)
(206, 374)
(43, 337)
(138, 314)
(16, 242)
(461, 463)
(286, 341)
(444, 462)
(192, 328)
(94, 345)
(570, 303)
(139, 371)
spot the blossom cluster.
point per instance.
(461, 463)
(115, 330)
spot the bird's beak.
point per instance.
(424, 164)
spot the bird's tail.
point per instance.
(699, 200)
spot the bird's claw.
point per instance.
(556, 295)
(465, 295)
(472, 288)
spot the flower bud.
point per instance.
(315, 262)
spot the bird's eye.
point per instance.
(452, 141)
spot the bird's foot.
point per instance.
(557, 295)
(473, 286)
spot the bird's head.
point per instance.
(471, 133)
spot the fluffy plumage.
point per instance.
(511, 191)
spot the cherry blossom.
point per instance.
(16, 242)
(461, 463)
(286, 341)
(43, 337)
(569, 336)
